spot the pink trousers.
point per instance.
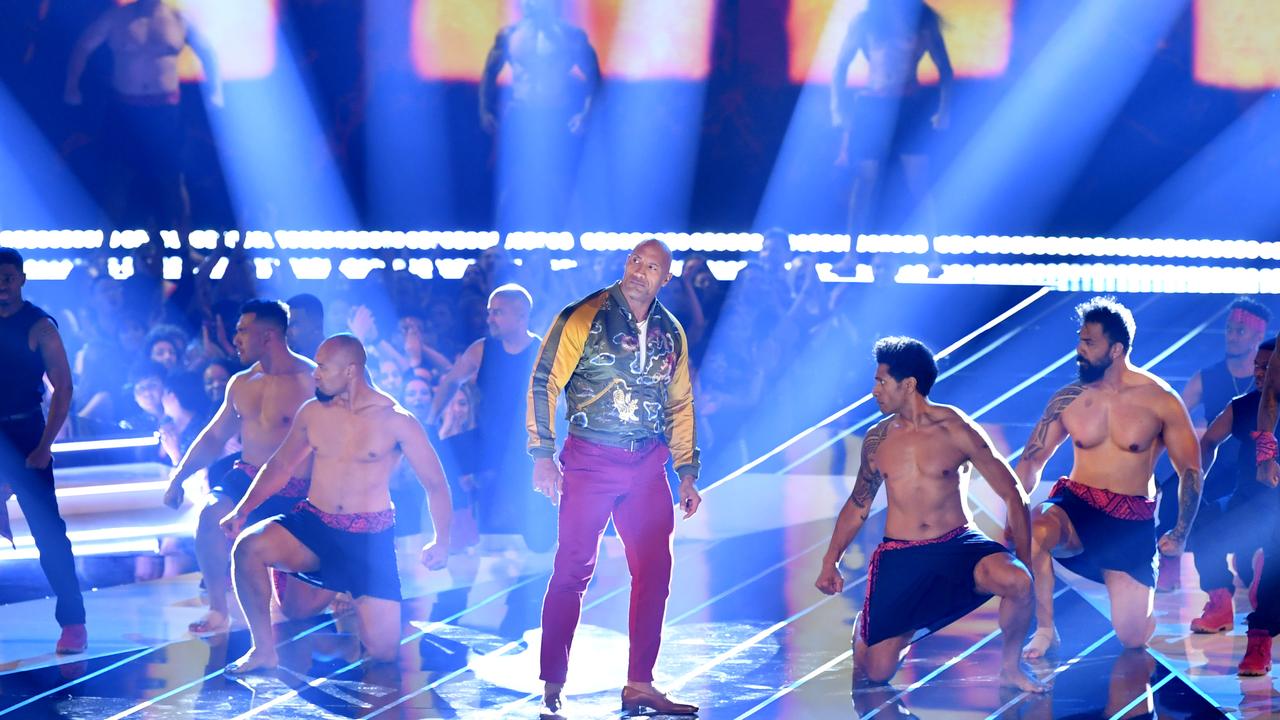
(602, 482)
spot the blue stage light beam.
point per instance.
(409, 158)
(37, 192)
(1226, 189)
(278, 164)
(1029, 151)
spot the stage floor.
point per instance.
(747, 635)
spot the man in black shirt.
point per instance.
(30, 348)
(1240, 522)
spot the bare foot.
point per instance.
(254, 661)
(212, 623)
(1044, 641)
(343, 605)
(1021, 677)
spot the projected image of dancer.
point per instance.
(538, 129)
(1099, 522)
(933, 567)
(893, 116)
(342, 537)
(31, 349)
(143, 132)
(622, 360)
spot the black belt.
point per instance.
(630, 445)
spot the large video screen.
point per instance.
(242, 34)
(1236, 43)
(635, 39)
(977, 33)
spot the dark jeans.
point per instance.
(1267, 615)
(34, 490)
(1238, 524)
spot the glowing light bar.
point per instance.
(170, 239)
(116, 489)
(453, 268)
(359, 268)
(51, 239)
(422, 267)
(265, 267)
(171, 267)
(384, 240)
(219, 269)
(120, 268)
(151, 440)
(47, 269)
(204, 239)
(119, 547)
(559, 241)
(725, 270)
(679, 242)
(565, 264)
(1105, 247)
(256, 240)
(128, 239)
(910, 244)
(820, 243)
(1100, 277)
(311, 268)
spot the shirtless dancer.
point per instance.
(342, 537)
(933, 566)
(549, 106)
(1100, 521)
(143, 133)
(259, 405)
(894, 115)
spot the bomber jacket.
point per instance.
(592, 352)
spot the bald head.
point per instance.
(340, 362)
(648, 269)
(653, 247)
(343, 349)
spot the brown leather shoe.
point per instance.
(637, 702)
(552, 707)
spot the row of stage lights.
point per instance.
(289, 248)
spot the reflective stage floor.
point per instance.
(747, 635)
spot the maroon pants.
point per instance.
(599, 482)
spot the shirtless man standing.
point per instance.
(933, 566)
(259, 405)
(143, 135)
(342, 537)
(549, 106)
(1100, 521)
(894, 116)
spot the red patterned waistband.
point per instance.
(892, 544)
(1121, 507)
(363, 522)
(296, 487)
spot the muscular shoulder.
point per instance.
(1063, 398)
(876, 435)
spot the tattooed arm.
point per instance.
(1045, 438)
(855, 511)
(1184, 452)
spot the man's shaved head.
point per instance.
(344, 349)
(340, 362)
(648, 269)
(655, 244)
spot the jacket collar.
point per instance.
(615, 292)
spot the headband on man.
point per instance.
(1247, 319)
